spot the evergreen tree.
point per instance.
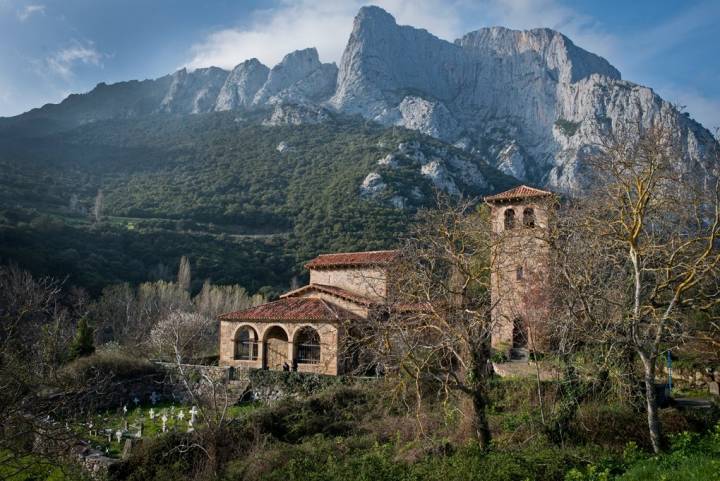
(83, 344)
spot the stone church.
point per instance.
(305, 329)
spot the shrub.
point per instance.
(82, 344)
(567, 127)
(117, 365)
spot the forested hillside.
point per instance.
(122, 200)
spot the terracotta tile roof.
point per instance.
(369, 258)
(519, 192)
(332, 290)
(292, 309)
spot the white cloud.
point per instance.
(30, 10)
(324, 24)
(63, 61)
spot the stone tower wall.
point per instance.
(520, 262)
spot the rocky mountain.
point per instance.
(241, 85)
(533, 103)
(530, 103)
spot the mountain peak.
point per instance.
(374, 13)
(551, 47)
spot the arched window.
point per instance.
(246, 345)
(529, 217)
(509, 219)
(307, 342)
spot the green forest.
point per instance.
(122, 200)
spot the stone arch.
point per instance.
(275, 347)
(509, 218)
(519, 333)
(307, 345)
(529, 219)
(246, 343)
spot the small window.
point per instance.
(519, 273)
(246, 346)
(308, 346)
(529, 217)
(509, 219)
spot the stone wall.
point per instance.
(370, 282)
(694, 378)
(329, 342)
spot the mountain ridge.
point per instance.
(530, 102)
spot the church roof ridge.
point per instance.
(362, 258)
(520, 192)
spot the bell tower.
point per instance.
(520, 258)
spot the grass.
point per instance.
(699, 467)
(32, 468)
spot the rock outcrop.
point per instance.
(193, 92)
(241, 85)
(299, 78)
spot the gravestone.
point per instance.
(127, 448)
(154, 398)
(714, 388)
(164, 422)
(193, 413)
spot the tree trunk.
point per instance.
(480, 420)
(480, 374)
(651, 404)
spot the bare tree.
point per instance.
(35, 328)
(178, 336)
(436, 332)
(656, 229)
(184, 276)
(98, 206)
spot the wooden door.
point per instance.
(276, 349)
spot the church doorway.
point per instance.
(519, 339)
(276, 348)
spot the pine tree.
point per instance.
(83, 344)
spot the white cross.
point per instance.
(136, 400)
(125, 409)
(118, 435)
(181, 416)
(164, 421)
(193, 412)
(152, 414)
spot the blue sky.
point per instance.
(50, 48)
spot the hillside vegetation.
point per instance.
(213, 187)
